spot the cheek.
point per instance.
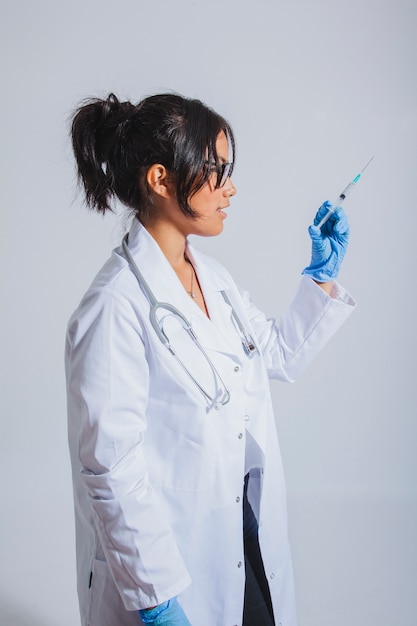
(204, 200)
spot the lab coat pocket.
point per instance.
(105, 604)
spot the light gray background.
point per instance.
(313, 89)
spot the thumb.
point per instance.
(315, 233)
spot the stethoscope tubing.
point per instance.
(155, 305)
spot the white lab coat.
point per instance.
(157, 472)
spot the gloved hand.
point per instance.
(329, 244)
(166, 614)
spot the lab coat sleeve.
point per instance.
(310, 321)
(107, 376)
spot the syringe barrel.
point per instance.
(346, 191)
(336, 203)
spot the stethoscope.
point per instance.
(249, 346)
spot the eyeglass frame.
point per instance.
(224, 171)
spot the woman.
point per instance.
(179, 490)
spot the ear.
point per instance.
(159, 181)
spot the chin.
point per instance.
(213, 231)
(216, 231)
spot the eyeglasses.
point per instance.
(223, 171)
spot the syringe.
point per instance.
(346, 191)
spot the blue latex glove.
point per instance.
(329, 244)
(167, 614)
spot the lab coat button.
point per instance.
(240, 435)
(272, 576)
(237, 368)
(237, 498)
(240, 564)
(247, 418)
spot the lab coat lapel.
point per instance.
(219, 329)
(213, 333)
(156, 269)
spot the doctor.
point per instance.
(179, 491)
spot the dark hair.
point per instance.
(116, 142)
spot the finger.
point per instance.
(322, 211)
(342, 226)
(319, 242)
(336, 224)
(339, 212)
(315, 233)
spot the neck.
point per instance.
(171, 241)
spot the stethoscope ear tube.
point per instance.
(154, 307)
(139, 276)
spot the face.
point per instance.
(210, 202)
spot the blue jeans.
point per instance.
(258, 606)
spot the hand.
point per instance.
(167, 614)
(329, 244)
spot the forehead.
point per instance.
(222, 146)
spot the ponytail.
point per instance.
(96, 130)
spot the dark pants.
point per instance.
(258, 606)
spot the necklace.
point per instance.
(191, 293)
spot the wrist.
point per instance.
(327, 286)
(149, 615)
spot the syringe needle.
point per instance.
(370, 161)
(346, 191)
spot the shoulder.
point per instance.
(113, 287)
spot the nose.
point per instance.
(229, 189)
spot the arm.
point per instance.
(319, 307)
(107, 375)
(313, 317)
